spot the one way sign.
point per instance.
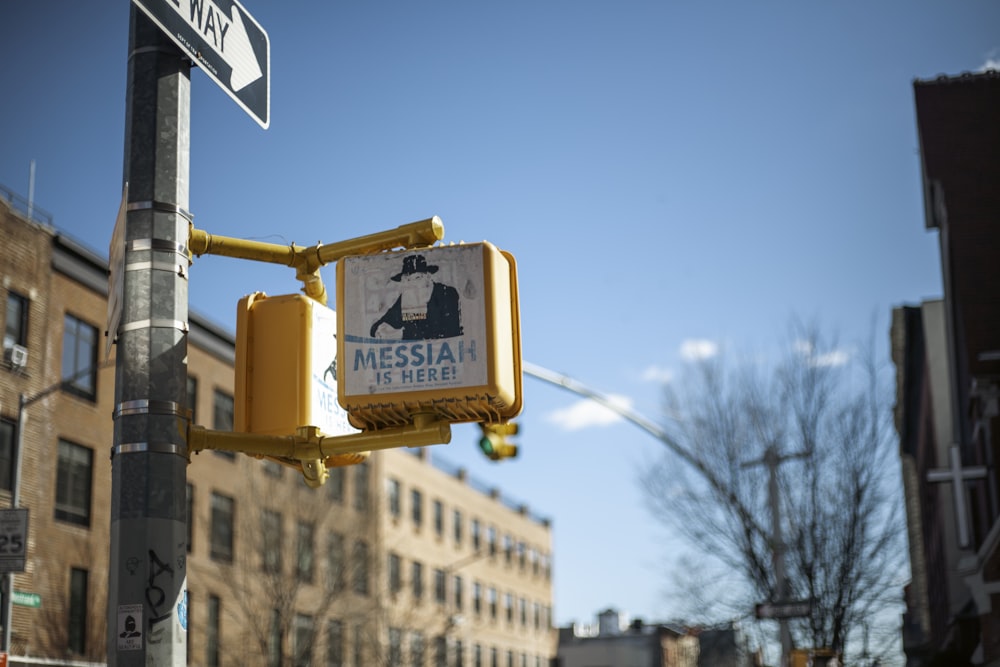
(226, 42)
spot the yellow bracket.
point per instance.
(311, 452)
(307, 261)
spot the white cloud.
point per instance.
(586, 413)
(991, 63)
(831, 358)
(695, 349)
(835, 357)
(657, 374)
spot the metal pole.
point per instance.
(147, 596)
(772, 460)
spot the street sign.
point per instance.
(13, 539)
(788, 609)
(26, 599)
(226, 42)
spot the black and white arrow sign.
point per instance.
(228, 44)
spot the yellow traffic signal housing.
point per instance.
(286, 357)
(431, 331)
(494, 443)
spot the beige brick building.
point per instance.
(399, 561)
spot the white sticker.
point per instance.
(130, 627)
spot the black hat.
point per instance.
(414, 264)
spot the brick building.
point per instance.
(947, 357)
(400, 560)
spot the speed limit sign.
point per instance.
(13, 539)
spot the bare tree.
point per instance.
(824, 416)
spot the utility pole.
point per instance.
(147, 597)
(772, 459)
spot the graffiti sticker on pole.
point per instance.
(435, 327)
(130, 627)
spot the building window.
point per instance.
(458, 526)
(335, 484)
(302, 637)
(274, 640)
(16, 325)
(417, 507)
(77, 611)
(79, 358)
(270, 541)
(477, 655)
(8, 431)
(360, 568)
(521, 555)
(73, 483)
(494, 657)
(458, 592)
(395, 573)
(395, 646)
(438, 518)
(508, 548)
(359, 648)
(212, 631)
(475, 534)
(222, 527)
(189, 502)
(304, 549)
(222, 411)
(192, 397)
(491, 540)
(361, 486)
(418, 654)
(491, 600)
(335, 644)
(417, 579)
(477, 597)
(440, 651)
(508, 607)
(439, 586)
(459, 653)
(523, 606)
(395, 505)
(222, 418)
(335, 563)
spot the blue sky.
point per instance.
(673, 177)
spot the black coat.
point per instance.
(443, 320)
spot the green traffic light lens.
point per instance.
(486, 445)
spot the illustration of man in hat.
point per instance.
(425, 309)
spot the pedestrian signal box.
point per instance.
(286, 367)
(429, 331)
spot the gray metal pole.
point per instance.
(772, 460)
(147, 596)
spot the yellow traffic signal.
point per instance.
(494, 440)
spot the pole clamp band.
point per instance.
(161, 206)
(145, 406)
(154, 324)
(147, 447)
(161, 245)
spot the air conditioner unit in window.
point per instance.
(16, 356)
